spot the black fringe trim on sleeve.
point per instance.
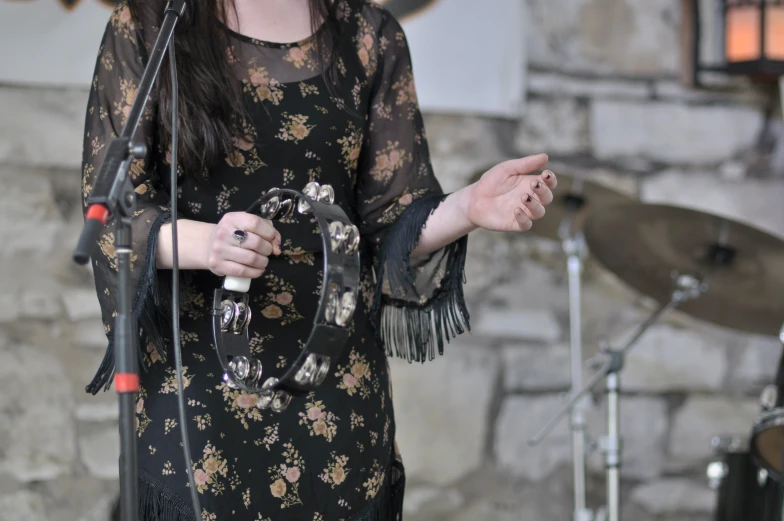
(411, 330)
(149, 308)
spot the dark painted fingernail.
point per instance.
(538, 185)
(548, 175)
(529, 198)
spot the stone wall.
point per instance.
(604, 101)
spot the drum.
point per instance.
(745, 492)
(767, 441)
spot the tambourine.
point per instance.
(339, 292)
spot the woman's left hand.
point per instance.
(507, 199)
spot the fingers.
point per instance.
(533, 206)
(276, 244)
(232, 269)
(549, 179)
(541, 190)
(250, 258)
(247, 258)
(258, 244)
(528, 164)
(524, 223)
(534, 202)
(252, 223)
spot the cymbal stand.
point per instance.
(687, 287)
(573, 245)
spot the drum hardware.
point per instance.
(767, 435)
(611, 362)
(768, 397)
(575, 198)
(744, 491)
(232, 313)
(674, 255)
(642, 243)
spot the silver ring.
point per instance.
(239, 236)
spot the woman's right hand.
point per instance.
(250, 258)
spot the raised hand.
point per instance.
(508, 199)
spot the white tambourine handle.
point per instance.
(238, 284)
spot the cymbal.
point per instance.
(575, 192)
(742, 266)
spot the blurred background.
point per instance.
(613, 90)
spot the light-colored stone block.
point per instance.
(101, 510)
(553, 84)
(487, 264)
(758, 363)
(29, 219)
(99, 451)
(672, 132)
(97, 411)
(644, 428)
(538, 325)
(667, 359)
(9, 308)
(77, 497)
(463, 147)
(555, 126)
(675, 495)
(536, 368)
(529, 283)
(752, 201)
(22, 505)
(521, 418)
(677, 91)
(81, 303)
(532, 507)
(87, 333)
(431, 501)
(703, 417)
(41, 126)
(39, 304)
(38, 240)
(630, 37)
(26, 195)
(37, 432)
(447, 397)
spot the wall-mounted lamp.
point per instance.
(751, 34)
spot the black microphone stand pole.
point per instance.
(113, 194)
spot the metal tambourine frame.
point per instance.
(232, 315)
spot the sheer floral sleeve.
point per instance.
(119, 67)
(419, 304)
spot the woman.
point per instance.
(338, 106)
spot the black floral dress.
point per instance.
(331, 455)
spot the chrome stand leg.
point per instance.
(574, 248)
(612, 448)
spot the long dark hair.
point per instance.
(210, 97)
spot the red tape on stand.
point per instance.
(126, 383)
(98, 212)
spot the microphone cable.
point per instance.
(176, 290)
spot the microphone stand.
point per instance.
(574, 247)
(687, 287)
(113, 194)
